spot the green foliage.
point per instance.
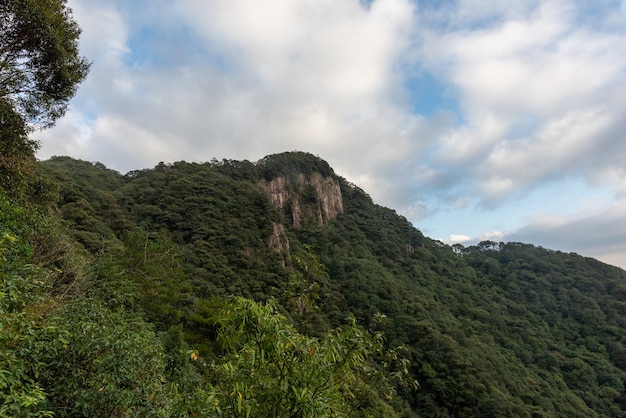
(269, 369)
(110, 362)
(303, 290)
(288, 164)
(16, 151)
(87, 201)
(40, 65)
(491, 330)
(22, 318)
(189, 392)
(77, 353)
(223, 225)
(153, 263)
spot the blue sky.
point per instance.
(475, 119)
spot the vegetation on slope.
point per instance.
(491, 330)
(91, 304)
(199, 290)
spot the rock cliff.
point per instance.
(314, 198)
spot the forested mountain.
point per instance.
(266, 289)
(493, 330)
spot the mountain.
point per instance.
(492, 330)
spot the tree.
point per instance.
(269, 369)
(16, 150)
(40, 66)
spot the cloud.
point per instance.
(599, 234)
(540, 94)
(454, 238)
(336, 47)
(561, 147)
(277, 75)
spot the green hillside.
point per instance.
(266, 289)
(498, 329)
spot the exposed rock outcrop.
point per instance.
(315, 198)
(276, 191)
(329, 197)
(279, 242)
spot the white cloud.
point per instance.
(492, 236)
(335, 48)
(454, 238)
(615, 175)
(558, 149)
(471, 142)
(284, 74)
(541, 96)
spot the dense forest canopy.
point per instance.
(496, 329)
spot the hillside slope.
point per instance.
(498, 329)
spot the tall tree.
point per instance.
(16, 150)
(40, 65)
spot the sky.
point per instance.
(474, 119)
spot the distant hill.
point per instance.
(492, 330)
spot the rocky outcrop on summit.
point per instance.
(315, 198)
(329, 197)
(276, 191)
